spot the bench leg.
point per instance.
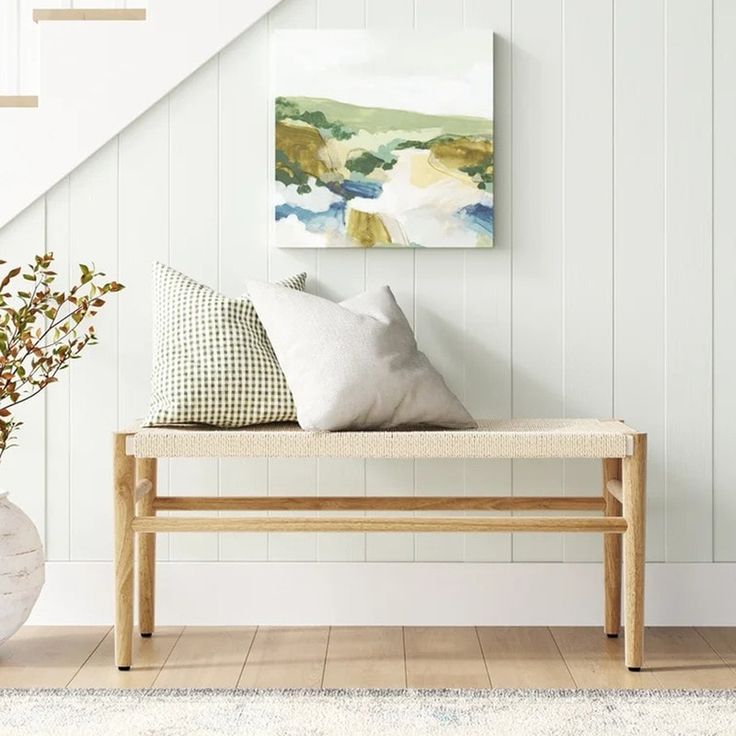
(634, 496)
(124, 489)
(146, 470)
(612, 554)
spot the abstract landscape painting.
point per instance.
(382, 139)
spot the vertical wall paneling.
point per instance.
(587, 237)
(19, 45)
(243, 229)
(144, 238)
(341, 477)
(638, 201)
(609, 292)
(389, 478)
(20, 52)
(339, 14)
(238, 477)
(438, 14)
(487, 290)
(292, 476)
(439, 323)
(243, 161)
(340, 274)
(194, 234)
(23, 469)
(389, 13)
(9, 47)
(94, 378)
(537, 246)
(29, 48)
(58, 398)
(689, 281)
(284, 262)
(394, 267)
(439, 327)
(724, 271)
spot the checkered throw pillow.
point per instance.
(212, 361)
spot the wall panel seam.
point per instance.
(712, 280)
(665, 295)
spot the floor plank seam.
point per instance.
(717, 653)
(403, 646)
(247, 654)
(166, 660)
(483, 654)
(88, 657)
(562, 656)
(327, 654)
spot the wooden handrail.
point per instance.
(18, 101)
(43, 14)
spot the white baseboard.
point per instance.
(389, 593)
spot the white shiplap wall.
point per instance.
(610, 291)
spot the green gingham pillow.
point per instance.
(212, 361)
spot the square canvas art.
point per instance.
(382, 139)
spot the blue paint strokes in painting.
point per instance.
(478, 217)
(314, 222)
(350, 188)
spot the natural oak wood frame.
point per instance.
(622, 525)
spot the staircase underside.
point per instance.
(97, 77)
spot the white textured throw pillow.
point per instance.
(354, 365)
(212, 361)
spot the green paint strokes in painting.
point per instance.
(380, 119)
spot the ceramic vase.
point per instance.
(21, 567)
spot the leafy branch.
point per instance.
(42, 330)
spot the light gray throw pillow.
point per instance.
(354, 365)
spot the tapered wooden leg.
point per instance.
(612, 553)
(634, 496)
(146, 470)
(124, 488)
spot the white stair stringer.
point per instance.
(97, 77)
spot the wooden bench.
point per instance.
(620, 506)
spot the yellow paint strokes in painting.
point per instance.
(462, 152)
(423, 174)
(304, 145)
(367, 228)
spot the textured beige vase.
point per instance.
(21, 567)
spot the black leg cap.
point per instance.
(124, 669)
(612, 636)
(634, 669)
(146, 636)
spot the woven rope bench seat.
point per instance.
(493, 438)
(618, 513)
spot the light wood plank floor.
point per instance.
(388, 657)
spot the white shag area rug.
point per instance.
(366, 712)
